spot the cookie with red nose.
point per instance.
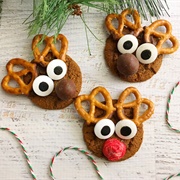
(135, 53)
(52, 80)
(113, 129)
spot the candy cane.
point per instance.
(168, 108)
(24, 151)
(168, 123)
(53, 159)
(77, 149)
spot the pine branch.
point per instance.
(51, 15)
(146, 8)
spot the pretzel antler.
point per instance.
(18, 76)
(135, 105)
(50, 46)
(90, 116)
(163, 37)
(124, 22)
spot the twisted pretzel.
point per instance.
(124, 22)
(18, 76)
(135, 105)
(50, 46)
(163, 37)
(90, 116)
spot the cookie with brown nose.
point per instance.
(113, 129)
(52, 80)
(135, 53)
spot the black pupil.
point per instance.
(146, 54)
(105, 130)
(58, 70)
(125, 131)
(127, 45)
(43, 86)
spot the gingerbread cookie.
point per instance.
(113, 129)
(52, 80)
(135, 53)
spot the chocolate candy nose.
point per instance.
(127, 64)
(65, 89)
(114, 149)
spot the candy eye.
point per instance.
(104, 129)
(146, 53)
(127, 44)
(43, 85)
(56, 69)
(126, 129)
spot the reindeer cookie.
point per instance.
(52, 80)
(135, 53)
(113, 129)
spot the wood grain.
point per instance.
(46, 132)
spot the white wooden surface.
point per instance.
(44, 132)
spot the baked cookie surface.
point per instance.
(145, 71)
(52, 101)
(113, 129)
(52, 80)
(135, 53)
(95, 145)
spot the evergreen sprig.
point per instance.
(51, 15)
(146, 8)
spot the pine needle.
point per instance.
(146, 8)
(51, 15)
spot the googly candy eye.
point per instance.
(56, 69)
(127, 44)
(104, 129)
(146, 53)
(43, 85)
(126, 129)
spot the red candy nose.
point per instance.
(114, 149)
